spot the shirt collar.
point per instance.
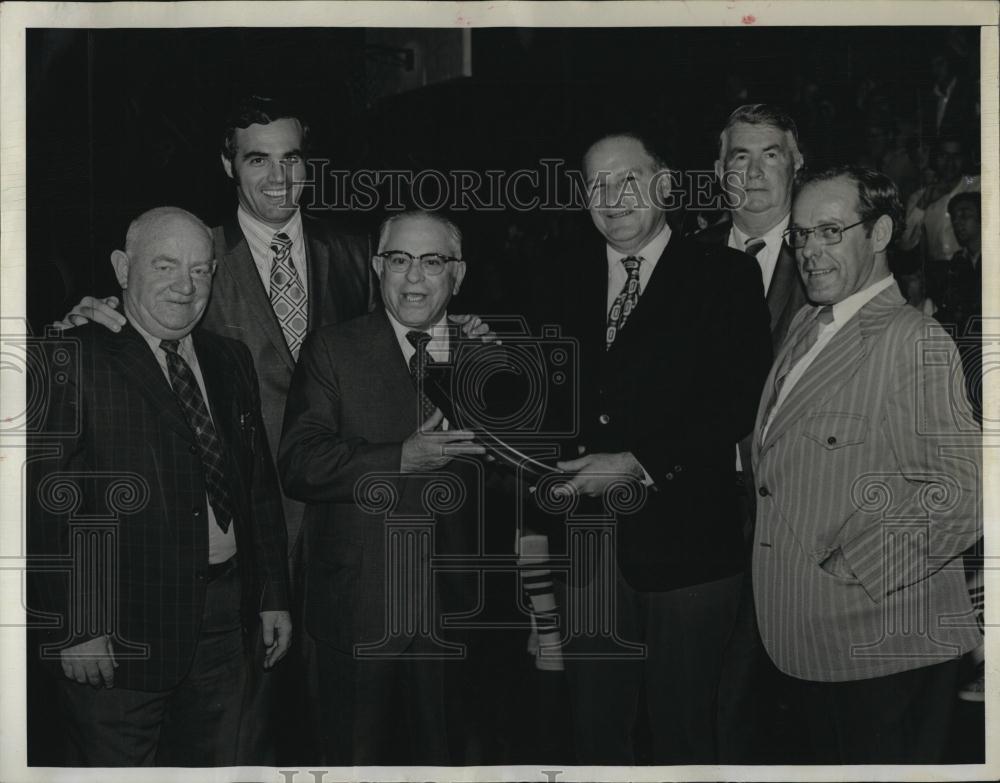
(650, 252)
(844, 310)
(772, 238)
(256, 230)
(186, 344)
(438, 332)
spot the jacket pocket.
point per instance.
(835, 431)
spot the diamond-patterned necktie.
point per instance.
(807, 338)
(193, 405)
(288, 297)
(418, 369)
(624, 303)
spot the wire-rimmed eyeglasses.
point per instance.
(826, 233)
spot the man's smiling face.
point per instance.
(626, 192)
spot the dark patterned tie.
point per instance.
(624, 303)
(806, 339)
(192, 403)
(418, 369)
(288, 297)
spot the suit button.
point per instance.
(196, 512)
(763, 492)
(604, 418)
(193, 449)
(678, 468)
(201, 576)
(669, 477)
(831, 440)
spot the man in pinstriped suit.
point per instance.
(867, 464)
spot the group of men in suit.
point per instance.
(845, 470)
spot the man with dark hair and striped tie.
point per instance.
(153, 644)
(867, 463)
(369, 454)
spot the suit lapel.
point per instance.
(783, 282)
(240, 271)
(839, 361)
(134, 359)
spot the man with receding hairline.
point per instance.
(152, 645)
(867, 467)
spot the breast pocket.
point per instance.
(835, 431)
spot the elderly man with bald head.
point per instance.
(156, 432)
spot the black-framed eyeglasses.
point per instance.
(826, 233)
(399, 261)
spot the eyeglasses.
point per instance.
(399, 261)
(827, 234)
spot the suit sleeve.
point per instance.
(931, 432)
(268, 519)
(56, 447)
(317, 463)
(734, 351)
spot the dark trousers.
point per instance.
(194, 724)
(684, 632)
(399, 711)
(902, 718)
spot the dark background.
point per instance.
(122, 120)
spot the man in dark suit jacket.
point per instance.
(668, 376)
(758, 159)
(159, 432)
(359, 448)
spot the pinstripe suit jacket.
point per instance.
(873, 457)
(117, 446)
(340, 288)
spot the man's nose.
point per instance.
(415, 271)
(183, 283)
(755, 169)
(276, 173)
(813, 247)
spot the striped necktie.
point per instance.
(192, 403)
(805, 340)
(288, 297)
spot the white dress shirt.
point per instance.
(767, 258)
(843, 312)
(650, 254)
(259, 236)
(221, 546)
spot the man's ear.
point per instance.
(378, 264)
(882, 233)
(227, 164)
(119, 260)
(459, 277)
(718, 171)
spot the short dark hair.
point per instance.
(970, 198)
(257, 110)
(877, 194)
(760, 114)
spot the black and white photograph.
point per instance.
(498, 391)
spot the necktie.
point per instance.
(196, 412)
(418, 369)
(624, 303)
(753, 246)
(288, 298)
(805, 340)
